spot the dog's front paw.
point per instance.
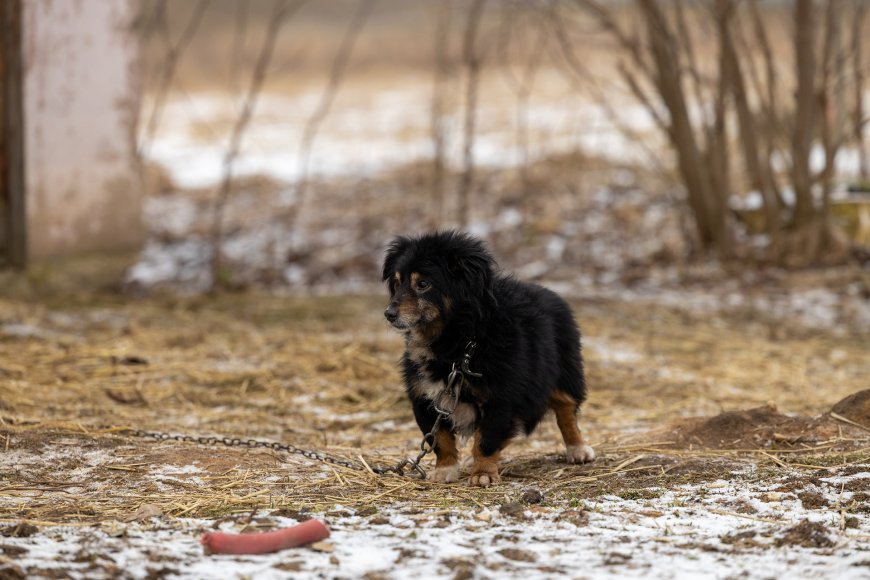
(445, 474)
(579, 454)
(484, 477)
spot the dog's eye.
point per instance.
(422, 284)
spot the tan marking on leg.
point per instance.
(398, 277)
(446, 458)
(484, 471)
(565, 408)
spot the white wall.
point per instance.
(80, 102)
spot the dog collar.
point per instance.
(466, 359)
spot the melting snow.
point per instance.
(676, 535)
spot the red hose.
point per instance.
(265, 542)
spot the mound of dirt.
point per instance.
(766, 428)
(855, 407)
(758, 428)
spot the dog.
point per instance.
(516, 345)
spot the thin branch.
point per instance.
(769, 60)
(826, 102)
(281, 11)
(471, 59)
(523, 83)
(173, 55)
(858, 86)
(583, 78)
(312, 126)
(685, 37)
(238, 54)
(439, 96)
(805, 107)
(608, 22)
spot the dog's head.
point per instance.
(435, 277)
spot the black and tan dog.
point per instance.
(446, 294)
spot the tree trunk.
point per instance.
(805, 104)
(438, 122)
(760, 176)
(707, 207)
(471, 60)
(858, 87)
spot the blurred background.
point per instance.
(686, 151)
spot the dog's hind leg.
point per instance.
(446, 458)
(565, 408)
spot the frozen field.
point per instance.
(698, 473)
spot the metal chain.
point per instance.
(399, 469)
(238, 442)
(455, 380)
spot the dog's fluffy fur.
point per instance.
(445, 292)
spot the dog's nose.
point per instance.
(391, 313)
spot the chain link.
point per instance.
(249, 443)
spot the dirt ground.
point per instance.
(718, 448)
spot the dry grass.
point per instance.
(320, 374)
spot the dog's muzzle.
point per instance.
(395, 320)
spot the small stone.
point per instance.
(21, 530)
(513, 508)
(339, 514)
(367, 511)
(146, 511)
(12, 551)
(323, 546)
(578, 518)
(532, 495)
(298, 515)
(518, 555)
(292, 566)
(483, 516)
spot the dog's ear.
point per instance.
(472, 265)
(395, 250)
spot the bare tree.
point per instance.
(312, 125)
(602, 88)
(438, 123)
(471, 61)
(805, 110)
(237, 58)
(523, 83)
(760, 175)
(174, 51)
(661, 70)
(858, 117)
(281, 11)
(706, 205)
